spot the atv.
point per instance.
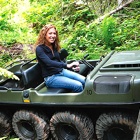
(106, 109)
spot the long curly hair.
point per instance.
(42, 37)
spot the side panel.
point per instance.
(11, 96)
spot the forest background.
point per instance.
(95, 27)
(83, 26)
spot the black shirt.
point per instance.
(50, 62)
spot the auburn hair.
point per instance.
(42, 37)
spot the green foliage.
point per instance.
(6, 12)
(13, 27)
(9, 138)
(128, 34)
(108, 28)
(7, 74)
(4, 58)
(84, 40)
(20, 22)
(41, 13)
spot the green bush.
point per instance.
(108, 28)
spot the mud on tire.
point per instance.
(115, 126)
(71, 126)
(5, 125)
(29, 125)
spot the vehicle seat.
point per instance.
(84, 69)
(32, 76)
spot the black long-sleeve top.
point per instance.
(50, 62)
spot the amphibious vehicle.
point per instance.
(106, 109)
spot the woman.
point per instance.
(55, 71)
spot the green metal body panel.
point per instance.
(115, 64)
(109, 102)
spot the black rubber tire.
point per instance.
(30, 126)
(5, 125)
(71, 126)
(115, 126)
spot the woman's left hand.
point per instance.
(76, 68)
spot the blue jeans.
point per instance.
(66, 79)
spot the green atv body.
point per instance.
(106, 109)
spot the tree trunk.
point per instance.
(137, 130)
(114, 11)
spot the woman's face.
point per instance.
(51, 36)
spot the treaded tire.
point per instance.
(115, 126)
(71, 126)
(30, 126)
(5, 125)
